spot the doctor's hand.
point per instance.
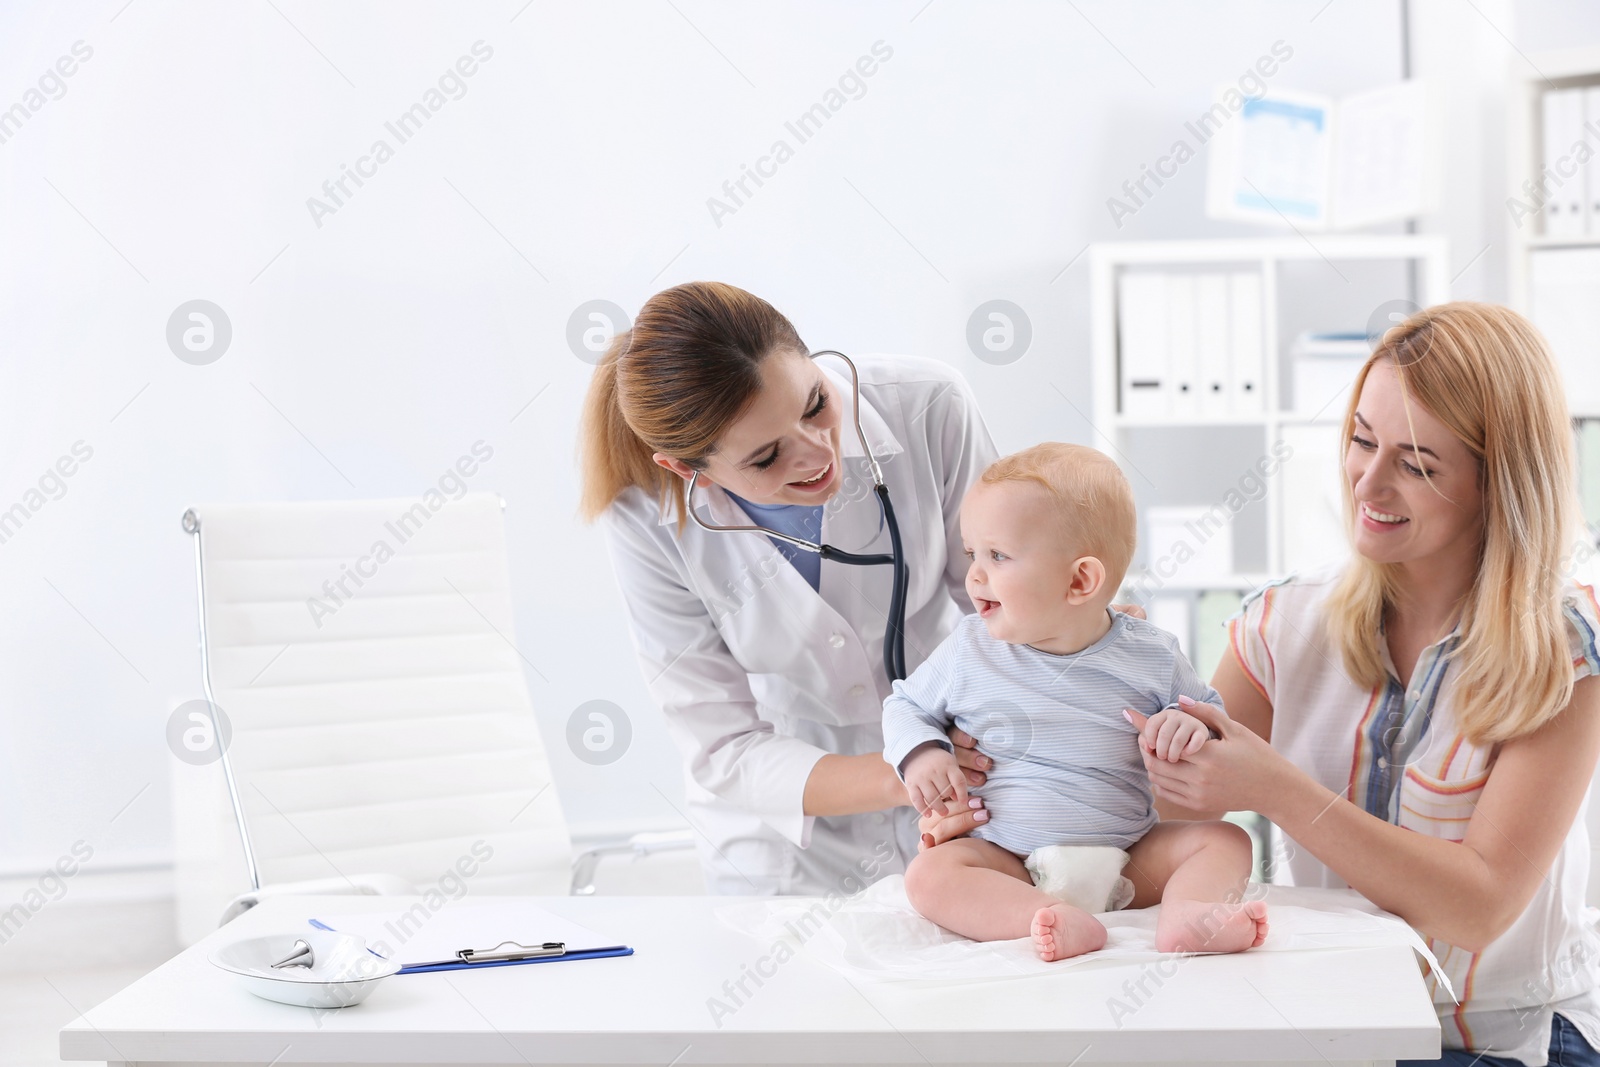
(937, 829)
(934, 780)
(1237, 771)
(1129, 609)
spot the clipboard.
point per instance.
(460, 936)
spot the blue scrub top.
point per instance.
(796, 520)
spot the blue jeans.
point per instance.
(1567, 1049)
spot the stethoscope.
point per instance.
(894, 633)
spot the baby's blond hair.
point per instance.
(1095, 501)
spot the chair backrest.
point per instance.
(364, 654)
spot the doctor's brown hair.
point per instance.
(688, 367)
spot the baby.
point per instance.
(1042, 673)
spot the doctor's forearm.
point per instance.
(850, 785)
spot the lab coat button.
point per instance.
(836, 640)
(857, 690)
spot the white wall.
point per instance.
(370, 352)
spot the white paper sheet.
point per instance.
(876, 936)
(421, 936)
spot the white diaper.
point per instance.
(1085, 876)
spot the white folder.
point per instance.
(1564, 302)
(1182, 345)
(1591, 169)
(1248, 393)
(1142, 341)
(1211, 345)
(1562, 112)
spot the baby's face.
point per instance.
(1020, 576)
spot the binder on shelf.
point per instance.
(1211, 345)
(1182, 351)
(1562, 115)
(461, 936)
(1564, 302)
(1248, 363)
(1142, 345)
(1591, 170)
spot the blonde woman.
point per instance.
(1423, 723)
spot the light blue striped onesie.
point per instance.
(1066, 763)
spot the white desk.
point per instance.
(1330, 1007)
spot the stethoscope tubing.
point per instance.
(894, 636)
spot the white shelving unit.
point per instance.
(1108, 261)
(1566, 69)
(1525, 158)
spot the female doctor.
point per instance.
(767, 660)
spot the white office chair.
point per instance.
(382, 735)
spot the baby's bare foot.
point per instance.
(1060, 931)
(1202, 926)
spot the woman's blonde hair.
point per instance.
(688, 367)
(1485, 372)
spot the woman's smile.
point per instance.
(817, 482)
(1380, 521)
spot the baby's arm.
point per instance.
(915, 718)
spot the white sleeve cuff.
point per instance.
(769, 780)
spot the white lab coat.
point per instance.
(759, 675)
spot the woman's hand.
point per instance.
(1129, 609)
(1236, 771)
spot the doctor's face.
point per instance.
(1401, 514)
(784, 448)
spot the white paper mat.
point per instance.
(876, 936)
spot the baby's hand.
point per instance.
(934, 780)
(1173, 733)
